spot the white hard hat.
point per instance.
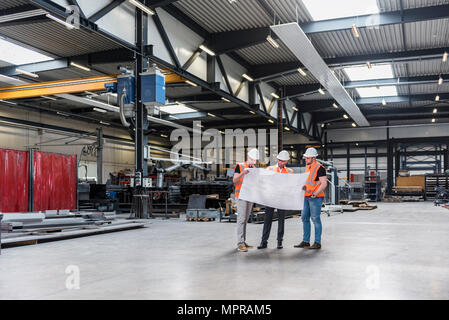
(254, 154)
(311, 153)
(283, 156)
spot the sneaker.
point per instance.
(280, 245)
(262, 246)
(242, 248)
(248, 245)
(303, 244)
(316, 245)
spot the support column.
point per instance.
(141, 111)
(348, 163)
(211, 60)
(390, 172)
(252, 93)
(446, 158)
(280, 126)
(397, 164)
(99, 155)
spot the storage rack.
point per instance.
(433, 181)
(373, 187)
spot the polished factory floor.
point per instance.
(398, 251)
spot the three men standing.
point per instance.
(314, 188)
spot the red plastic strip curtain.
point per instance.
(14, 171)
(54, 181)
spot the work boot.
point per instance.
(263, 245)
(303, 244)
(248, 245)
(280, 245)
(242, 248)
(316, 245)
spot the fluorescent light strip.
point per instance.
(354, 125)
(73, 64)
(287, 128)
(335, 105)
(99, 110)
(295, 109)
(224, 99)
(141, 7)
(247, 77)
(445, 56)
(321, 91)
(275, 95)
(26, 73)
(272, 42)
(49, 98)
(355, 31)
(345, 116)
(302, 72)
(440, 81)
(68, 25)
(207, 50)
(384, 103)
(252, 112)
(368, 64)
(437, 98)
(212, 115)
(270, 121)
(8, 102)
(164, 136)
(105, 123)
(433, 120)
(191, 83)
(435, 110)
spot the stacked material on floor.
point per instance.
(351, 206)
(32, 228)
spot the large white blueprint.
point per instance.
(273, 189)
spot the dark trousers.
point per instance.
(268, 220)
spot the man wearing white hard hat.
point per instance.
(244, 208)
(283, 158)
(314, 188)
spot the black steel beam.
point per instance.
(105, 10)
(224, 42)
(186, 20)
(166, 40)
(224, 74)
(159, 3)
(36, 67)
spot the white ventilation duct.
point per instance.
(299, 44)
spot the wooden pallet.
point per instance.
(200, 219)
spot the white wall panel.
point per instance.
(120, 22)
(90, 7)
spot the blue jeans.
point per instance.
(312, 207)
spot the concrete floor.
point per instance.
(399, 251)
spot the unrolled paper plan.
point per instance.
(272, 189)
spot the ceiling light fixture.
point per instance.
(321, 91)
(384, 103)
(355, 31)
(74, 64)
(68, 25)
(270, 121)
(191, 83)
(354, 125)
(141, 7)
(437, 98)
(247, 77)
(272, 42)
(345, 116)
(440, 81)
(49, 98)
(275, 95)
(335, 105)
(368, 64)
(295, 109)
(287, 128)
(26, 73)
(302, 72)
(105, 123)
(224, 99)
(207, 50)
(99, 110)
(433, 120)
(252, 112)
(212, 115)
(8, 102)
(435, 110)
(164, 136)
(445, 56)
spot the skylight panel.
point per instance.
(370, 92)
(17, 55)
(177, 109)
(334, 9)
(359, 73)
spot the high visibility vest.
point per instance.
(311, 185)
(238, 185)
(284, 169)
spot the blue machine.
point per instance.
(153, 87)
(126, 83)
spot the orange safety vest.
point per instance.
(311, 185)
(238, 185)
(276, 168)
